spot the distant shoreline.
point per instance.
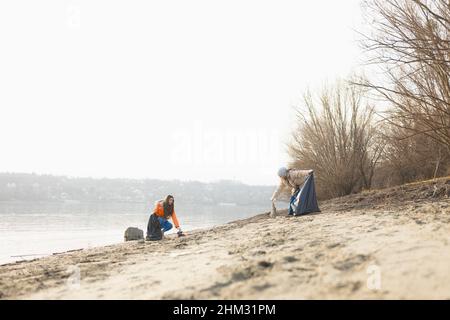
(32, 187)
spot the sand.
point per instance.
(388, 244)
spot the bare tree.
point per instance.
(411, 43)
(336, 137)
(406, 159)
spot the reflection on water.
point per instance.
(29, 230)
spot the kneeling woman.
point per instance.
(165, 210)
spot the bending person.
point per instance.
(290, 182)
(165, 210)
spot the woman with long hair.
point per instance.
(165, 210)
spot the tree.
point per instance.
(409, 159)
(411, 43)
(336, 137)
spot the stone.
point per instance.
(132, 234)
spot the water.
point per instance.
(30, 230)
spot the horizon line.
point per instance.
(136, 179)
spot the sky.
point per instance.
(188, 90)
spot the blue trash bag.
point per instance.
(304, 201)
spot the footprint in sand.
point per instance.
(351, 262)
(290, 259)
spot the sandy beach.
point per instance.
(385, 244)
